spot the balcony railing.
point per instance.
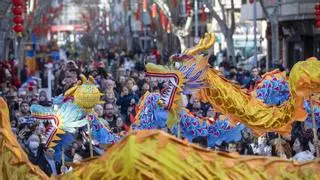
(288, 9)
(293, 9)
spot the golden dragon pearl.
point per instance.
(87, 96)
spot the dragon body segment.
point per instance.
(229, 99)
(152, 115)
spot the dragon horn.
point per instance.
(204, 44)
(70, 91)
(83, 78)
(212, 40)
(91, 80)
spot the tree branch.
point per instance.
(264, 9)
(175, 29)
(222, 24)
(275, 9)
(222, 11)
(6, 10)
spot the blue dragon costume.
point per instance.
(183, 76)
(273, 89)
(62, 120)
(189, 73)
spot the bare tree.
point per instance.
(89, 16)
(272, 16)
(181, 26)
(226, 28)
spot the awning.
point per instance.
(247, 12)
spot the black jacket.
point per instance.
(42, 162)
(125, 101)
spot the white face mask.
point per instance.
(33, 145)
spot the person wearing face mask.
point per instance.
(52, 167)
(36, 154)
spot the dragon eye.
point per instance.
(177, 65)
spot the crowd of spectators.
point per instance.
(122, 90)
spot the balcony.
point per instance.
(288, 10)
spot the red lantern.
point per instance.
(17, 2)
(317, 13)
(18, 19)
(188, 7)
(203, 14)
(17, 10)
(18, 28)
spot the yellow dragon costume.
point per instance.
(230, 99)
(152, 155)
(156, 155)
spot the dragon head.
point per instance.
(65, 119)
(184, 74)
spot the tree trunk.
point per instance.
(182, 42)
(159, 45)
(230, 49)
(275, 49)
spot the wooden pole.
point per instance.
(62, 156)
(179, 135)
(314, 128)
(90, 137)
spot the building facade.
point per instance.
(298, 39)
